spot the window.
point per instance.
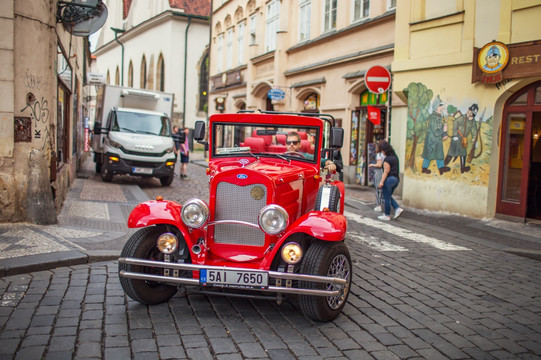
(143, 82)
(130, 74)
(108, 77)
(240, 44)
(329, 15)
(361, 9)
(252, 29)
(63, 109)
(391, 4)
(272, 25)
(204, 84)
(304, 19)
(219, 64)
(229, 49)
(117, 76)
(161, 74)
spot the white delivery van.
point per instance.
(132, 133)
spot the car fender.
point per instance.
(341, 187)
(156, 212)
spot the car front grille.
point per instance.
(234, 202)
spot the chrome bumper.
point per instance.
(195, 282)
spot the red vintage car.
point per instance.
(273, 226)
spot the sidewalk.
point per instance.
(92, 225)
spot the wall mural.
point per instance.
(446, 140)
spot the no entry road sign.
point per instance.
(377, 79)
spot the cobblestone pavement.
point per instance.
(428, 286)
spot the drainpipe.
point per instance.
(185, 70)
(116, 31)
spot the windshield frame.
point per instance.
(218, 136)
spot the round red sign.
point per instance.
(377, 79)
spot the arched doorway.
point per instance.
(519, 183)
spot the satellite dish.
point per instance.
(82, 17)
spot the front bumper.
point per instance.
(336, 291)
(126, 166)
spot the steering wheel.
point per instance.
(294, 153)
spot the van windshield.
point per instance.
(141, 123)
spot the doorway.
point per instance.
(519, 183)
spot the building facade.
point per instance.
(470, 74)
(306, 56)
(159, 45)
(42, 110)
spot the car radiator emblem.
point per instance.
(257, 193)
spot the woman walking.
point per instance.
(389, 181)
(378, 172)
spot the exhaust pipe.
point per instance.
(196, 249)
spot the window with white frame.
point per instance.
(229, 49)
(219, 64)
(240, 43)
(304, 19)
(329, 15)
(253, 29)
(272, 24)
(391, 4)
(361, 9)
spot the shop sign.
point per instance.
(496, 62)
(374, 115)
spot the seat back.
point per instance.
(256, 144)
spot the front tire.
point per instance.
(142, 245)
(166, 180)
(106, 175)
(325, 259)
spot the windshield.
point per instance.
(279, 141)
(141, 123)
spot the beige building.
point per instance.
(159, 45)
(305, 56)
(42, 110)
(470, 74)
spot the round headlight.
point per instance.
(292, 253)
(167, 243)
(194, 213)
(273, 219)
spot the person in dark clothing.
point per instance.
(389, 181)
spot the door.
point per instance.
(519, 193)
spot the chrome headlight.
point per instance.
(167, 243)
(115, 144)
(273, 219)
(292, 253)
(194, 213)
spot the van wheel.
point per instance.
(166, 180)
(98, 165)
(328, 196)
(106, 175)
(326, 259)
(142, 245)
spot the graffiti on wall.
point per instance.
(447, 140)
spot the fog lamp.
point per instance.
(292, 253)
(273, 219)
(194, 213)
(167, 243)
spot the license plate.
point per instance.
(234, 278)
(138, 170)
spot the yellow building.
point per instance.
(305, 56)
(470, 74)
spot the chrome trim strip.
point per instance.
(232, 222)
(272, 289)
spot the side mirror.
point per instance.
(199, 131)
(337, 137)
(97, 128)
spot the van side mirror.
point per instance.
(337, 137)
(199, 131)
(97, 128)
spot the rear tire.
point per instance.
(325, 259)
(142, 245)
(328, 196)
(167, 180)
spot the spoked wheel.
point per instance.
(142, 245)
(327, 259)
(328, 196)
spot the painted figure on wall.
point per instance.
(463, 126)
(436, 133)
